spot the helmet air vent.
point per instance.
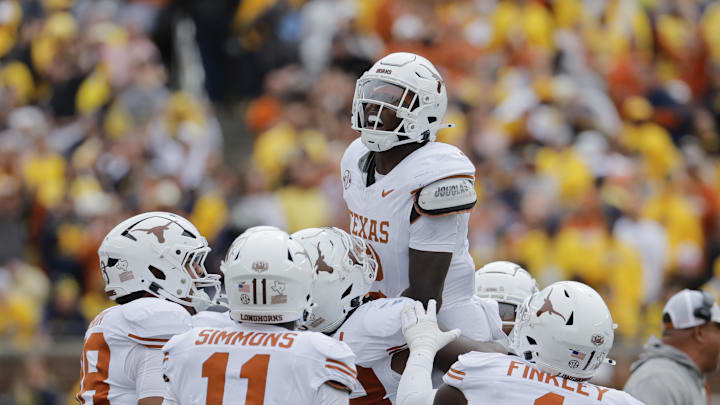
(347, 292)
(129, 236)
(570, 319)
(157, 273)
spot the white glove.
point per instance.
(421, 329)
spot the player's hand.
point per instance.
(421, 329)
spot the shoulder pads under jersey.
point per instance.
(478, 359)
(436, 161)
(329, 347)
(382, 317)
(212, 319)
(353, 155)
(446, 196)
(152, 321)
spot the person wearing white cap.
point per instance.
(672, 370)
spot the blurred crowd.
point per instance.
(593, 125)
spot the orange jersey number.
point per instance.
(96, 353)
(254, 370)
(550, 398)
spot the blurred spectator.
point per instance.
(23, 293)
(33, 385)
(649, 239)
(63, 316)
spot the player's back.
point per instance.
(499, 378)
(374, 333)
(109, 361)
(255, 363)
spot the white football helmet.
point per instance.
(268, 277)
(409, 85)
(565, 329)
(160, 253)
(345, 274)
(508, 284)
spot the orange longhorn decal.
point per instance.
(320, 264)
(548, 307)
(158, 231)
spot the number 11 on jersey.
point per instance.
(254, 370)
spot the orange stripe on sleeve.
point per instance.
(397, 351)
(390, 349)
(342, 370)
(154, 346)
(337, 385)
(453, 376)
(147, 339)
(457, 371)
(341, 364)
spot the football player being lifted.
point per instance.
(153, 266)
(509, 285)
(562, 335)
(372, 329)
(409, 196)
(255, 355)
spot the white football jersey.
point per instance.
(380, 214)
(499, 378)
(212, 318)
(374, 333)
(249, 364)
(111, 336)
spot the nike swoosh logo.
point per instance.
(385, 193)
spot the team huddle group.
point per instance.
(392, 312)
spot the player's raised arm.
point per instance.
(427, 272)
(424, 340)
(436, 228)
